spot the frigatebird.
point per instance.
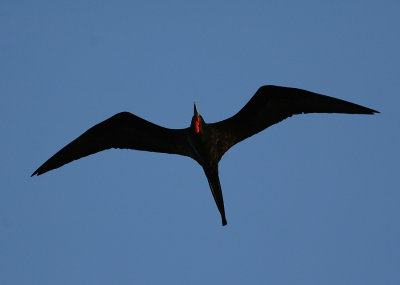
(205, 143)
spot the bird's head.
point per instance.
(197, 121)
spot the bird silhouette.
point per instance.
(205, 143)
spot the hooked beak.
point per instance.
(195, 110)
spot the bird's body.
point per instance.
(205, 143)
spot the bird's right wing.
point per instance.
(272, 104)
(123, 130)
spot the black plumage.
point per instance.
(205, 143)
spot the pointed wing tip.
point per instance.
(366, 111)
(371, 112)
(37, 172)
(224, 222)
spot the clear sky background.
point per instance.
(313, 200)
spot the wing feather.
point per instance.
(272, 104)
(123, 130)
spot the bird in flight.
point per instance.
(205, 143)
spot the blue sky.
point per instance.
(313, 200)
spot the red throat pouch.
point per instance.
(197, 125)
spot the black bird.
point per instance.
(205, 143)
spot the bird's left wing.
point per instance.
(272, 104)
(123, 130)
